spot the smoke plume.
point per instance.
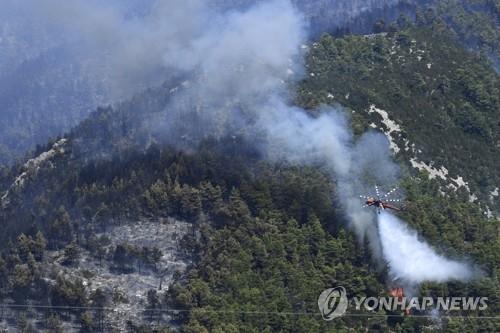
(59, 60)
(238, 65)
(240, 88)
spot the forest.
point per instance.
(266, 238)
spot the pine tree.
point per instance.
(39, 245)
(71, 253)
(86, 322)
(54, 324)
(23, 247)
(99, 301)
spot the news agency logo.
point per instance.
(333, 303)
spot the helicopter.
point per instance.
(381, 202)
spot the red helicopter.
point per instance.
(381, 202)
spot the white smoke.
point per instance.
(244, 63)
(299, 138)
(241, 69)
(125, 40)
(239, 63)
(136, 44)
(412, 260)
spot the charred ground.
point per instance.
(261, 237)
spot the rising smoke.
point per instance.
(59, 60)
(239, 65)
(242, 74)
(122, 43)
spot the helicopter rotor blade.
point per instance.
(390, 192)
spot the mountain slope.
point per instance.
(264, 237)
(418, 86)
(60, 62)
(53, 75)
(138, 195)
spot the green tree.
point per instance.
(87, 322)
(24, 246)
(60, 229)
(71, 254)
(54, 324)
(99, 301)
(39, 246)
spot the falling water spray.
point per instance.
(412, 260)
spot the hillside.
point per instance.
(227, 198)
(266, 238)
(54, 71)
(262, 237)
(438, 104)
